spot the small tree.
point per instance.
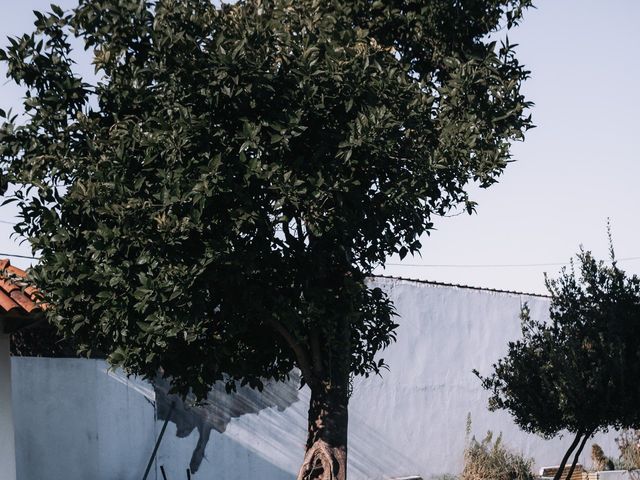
(579, 371)
(213, 204)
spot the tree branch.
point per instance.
(299, 351)
(578, 452)
(287, 234)
(315, 353)
(572, 447)
(301, 234)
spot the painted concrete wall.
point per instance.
(7, 445)
(75, 421)
(614, 475)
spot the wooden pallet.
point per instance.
(578, 472)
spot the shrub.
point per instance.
(491, 460)
(629, 447)
(600, 461)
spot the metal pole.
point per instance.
(155, 449)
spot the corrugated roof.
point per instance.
(457, 285)
(17, 300)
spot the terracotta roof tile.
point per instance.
(17, 301)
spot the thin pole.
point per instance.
(155, 449)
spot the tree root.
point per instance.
(323, 462)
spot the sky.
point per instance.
(577, 168)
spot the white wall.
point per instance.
(75, 422)
(420, 407)
(7, 445)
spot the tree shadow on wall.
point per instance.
(219, 409)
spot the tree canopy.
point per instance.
(213, 203)
(577, 371)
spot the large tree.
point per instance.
(578, 371)
(213, 203)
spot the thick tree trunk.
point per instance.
(326, 450)
(325, 361)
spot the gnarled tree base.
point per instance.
(323, 462)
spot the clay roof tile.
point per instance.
(18, 302)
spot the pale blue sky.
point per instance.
(578, 167)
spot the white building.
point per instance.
(18, 309)
(75, 421)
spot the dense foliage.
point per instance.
(44, 340)
(230, 158)
(578, 371)
(213, 203)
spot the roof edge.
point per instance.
(457, 285)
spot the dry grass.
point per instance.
(491, 460)
(629, 445)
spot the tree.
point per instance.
(214, 203)
(576, 372)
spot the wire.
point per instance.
(503, 265)
(15, 255)
(419, 265)
(498, 265)
(2, 254)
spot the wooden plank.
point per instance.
(551, 471)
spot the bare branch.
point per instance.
(301, 234)
(287, 233)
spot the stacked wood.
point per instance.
(551, 471)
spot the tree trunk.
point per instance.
(327, 372)
(326, 450)
(578, 452)
(572, 447)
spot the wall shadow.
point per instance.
(219, 409)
